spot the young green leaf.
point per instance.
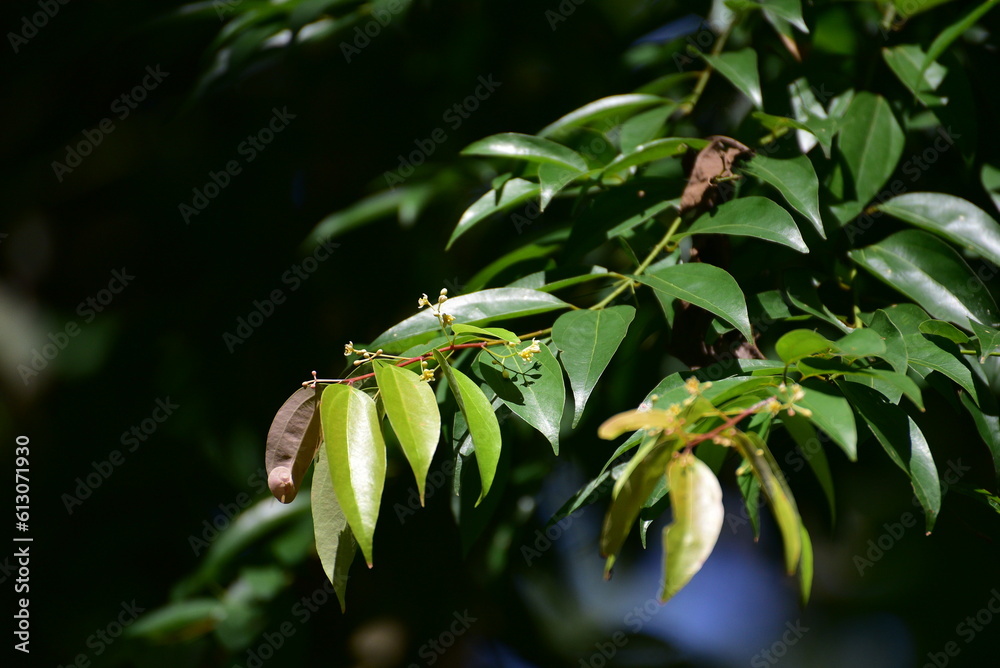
(832, 413)
(861, 343)
(799, 343)
(777, 492)
(484, 429)
(533, 389)
(931, 273)
(335, 543)
(292, 442)
(696, 501)
(356, 452)
(795, 179)
(704, 285)
(756, 217)
(413, 413)
(487, 332)
(627, 503)
(587, 340)
(806, 566)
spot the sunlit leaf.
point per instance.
(413, 413)
(756, 217)
(356, 453)
(335, 543)
(795, 179)
(483, 426)
(698, 513)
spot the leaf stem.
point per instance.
(627, 282)
(687, 107)
(727, 424)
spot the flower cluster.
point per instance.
(349, 349)
(445, 318)
(528, 352)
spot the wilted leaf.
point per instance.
(292, 442)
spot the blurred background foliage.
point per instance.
(148, 531)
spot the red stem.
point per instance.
(406, 362)
(727, 424)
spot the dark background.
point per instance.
(162, 337)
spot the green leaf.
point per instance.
(895, 345)
(533, 390)
(953, 218)
(988, 426)
(335, 543)
(871, 142)
(944, 329)
(657, 149)
(527, 147)
(931, 273)
(696, 501)
(477, 308)
(627, 503)
(861, 343)
(356, 453)
(800, 288)
(704, 285)
(832, 413)
(799, 343)
(787, 10)
(806, 566)
(370, 209)
(413, 413)
(990, 178)
(953, 32)
(795, 179)
(552, 179)
(514, 192)
(893, 428)
(777, 492)
(643, 127)
(492, 333)
(987, 340)
(749, 486)
(614, 106)
(587, 340)
(740, 67)
(908, 8)
(905, 61)
(804, 435)
(923, 352)
(751, 217)
(480, 418)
